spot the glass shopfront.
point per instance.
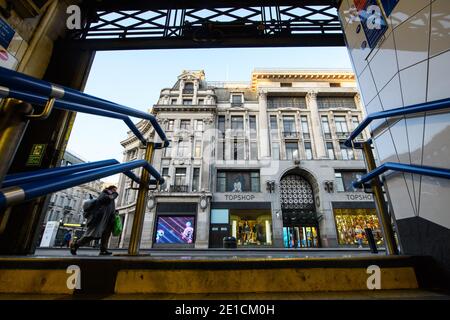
(251, 228)
(350, 225)
(301, 237)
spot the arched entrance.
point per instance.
(300, 224)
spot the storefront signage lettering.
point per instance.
(239, 197)
(359, 197)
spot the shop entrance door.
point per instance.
(301, 237)
(216, 234)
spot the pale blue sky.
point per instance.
(135, 78)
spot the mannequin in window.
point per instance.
(246, 232)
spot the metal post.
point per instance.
(141, 205)
(383, 216)
(13, 123)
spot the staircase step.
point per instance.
(146, 275)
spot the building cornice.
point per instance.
(305, 75)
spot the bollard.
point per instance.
(371, 240)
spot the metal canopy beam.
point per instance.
(186, 4)
(127, 25)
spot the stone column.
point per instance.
(202, 232)
(194, 97)
(319, 143)
(263, 126)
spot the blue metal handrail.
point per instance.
(26, 177)
(37, 188)
(34, 90)
(19, 179)
(408, 168)
(64, 105)
(418, 108)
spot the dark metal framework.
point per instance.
(115, 25)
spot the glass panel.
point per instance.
(274, 127)
(289, 125)
(168, 150)
(219, 216)
(255, 184)
(237, 123)
(308, 151)
(221, 125)
(221, 181)
(350, 224)
(305, 127)
(330, 150)
(236, 98)
(238, 149)
(336, 102)
(326, 127)
(251, 229)
(339, 182)
(221, 150)
(238, 181)
(196, 180)
(185, 124)
(275, 151)
(170, 124)
(198, 149)
(253, 151)
(252, 125)
(341, 125)
(184, 148)
(286, 102)
(180, 176)
(199, 125)
(291, 150)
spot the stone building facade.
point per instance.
(262, 161)
(67, 205)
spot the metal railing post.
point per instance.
(141, 205)
(383, 216)
(13, 123)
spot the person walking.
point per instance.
(100, 221)
(67, 238)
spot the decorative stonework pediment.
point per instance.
(192, 75)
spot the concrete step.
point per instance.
(200, 276)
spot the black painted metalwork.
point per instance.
(115, 25)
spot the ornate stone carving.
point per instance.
(311, 96)
(208, 120)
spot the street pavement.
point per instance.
(218, 253)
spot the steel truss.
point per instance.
(113, 27)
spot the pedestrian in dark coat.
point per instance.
(100, 222)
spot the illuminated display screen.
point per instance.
(175, 229)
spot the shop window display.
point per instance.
(250, 230)
(300, 237)
(350, 224)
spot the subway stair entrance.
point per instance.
(225, 274)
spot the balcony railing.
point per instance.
(291, 134)
(179, 188)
